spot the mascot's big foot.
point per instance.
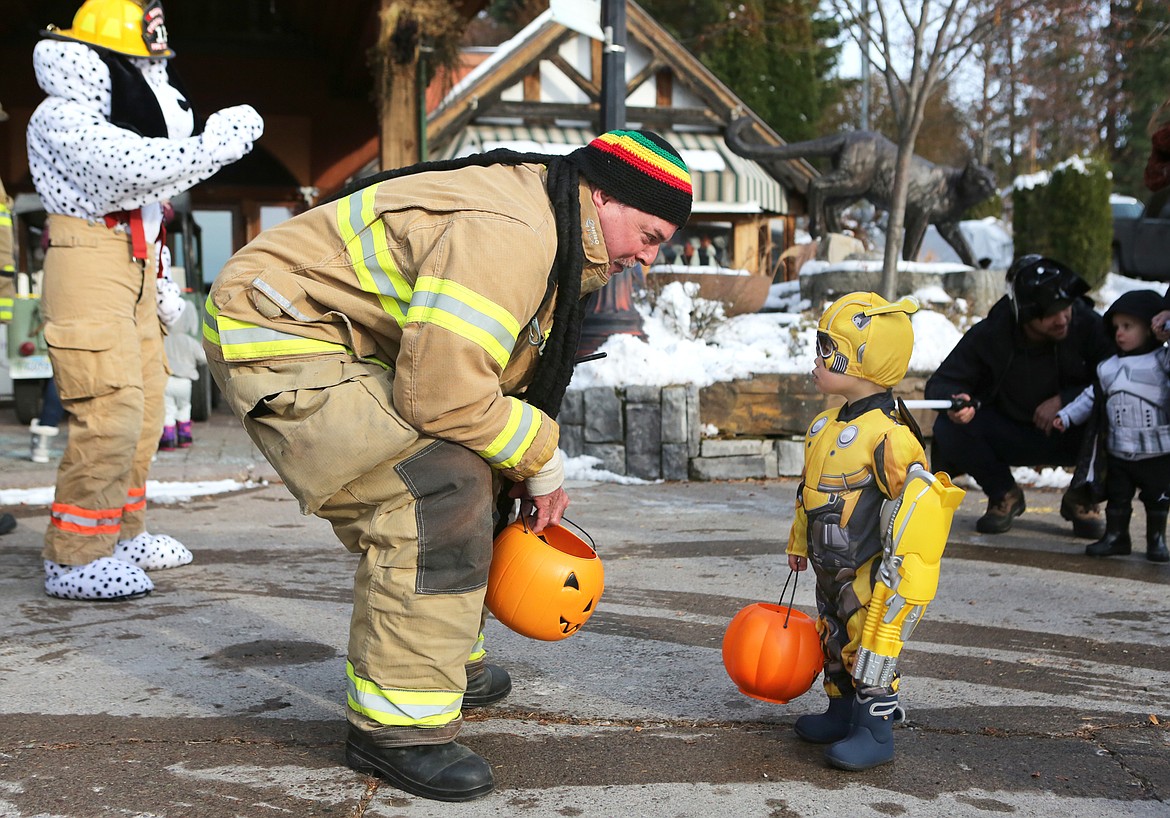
(871, 734)
(153, 552)
(104, 580)
(120, 577)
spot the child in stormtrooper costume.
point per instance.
(1131, 400)
(871, 520)
(114, 139)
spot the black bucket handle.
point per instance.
(593, 545)
(793, 576)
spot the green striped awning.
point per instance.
(723, 182)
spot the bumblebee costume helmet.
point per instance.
(864, 335)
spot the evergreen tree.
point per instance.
(774, 54)
(1141, 35)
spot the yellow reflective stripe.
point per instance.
(210, 331)
(6, 305)
(466, 313)
(241, 340)
(406, 708)
(511, 444)
(375, 268)
(477, 652)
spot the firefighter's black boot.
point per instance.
(1116, 541)
(444, 772)
(486, 684)
(1156, 535)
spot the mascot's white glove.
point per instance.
(170, 297)
(229, 133)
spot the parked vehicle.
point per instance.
(1141, 237)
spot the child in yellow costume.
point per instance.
(872, 521)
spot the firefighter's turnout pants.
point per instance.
(105, 344)
(417, 510)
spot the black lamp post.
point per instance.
(611, 310)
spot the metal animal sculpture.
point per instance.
(863, 168)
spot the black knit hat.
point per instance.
(639, 169)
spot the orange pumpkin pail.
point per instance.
(772, 652)
(544, 586)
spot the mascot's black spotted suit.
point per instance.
(114, 140)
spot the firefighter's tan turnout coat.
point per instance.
(376, 349)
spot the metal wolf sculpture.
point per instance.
(863, 168)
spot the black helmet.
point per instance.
(1039, 286)
(1142, 305)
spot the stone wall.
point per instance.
(979, 288)
(655, 432)
(649, 432)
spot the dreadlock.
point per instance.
(555, 369)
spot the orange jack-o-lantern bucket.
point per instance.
(546, 585)
(772, 652)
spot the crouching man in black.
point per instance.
(1035, 352)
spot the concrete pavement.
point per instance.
(1038, 684)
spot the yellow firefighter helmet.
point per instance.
(122, 26)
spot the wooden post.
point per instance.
(398, 119)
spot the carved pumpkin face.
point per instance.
(543, 586)
(770, 659)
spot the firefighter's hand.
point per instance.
(543, 510)
(797, 563)
(964, 415)
(1045, 414)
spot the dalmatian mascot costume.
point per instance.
(114, 140)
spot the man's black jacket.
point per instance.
(994, 364)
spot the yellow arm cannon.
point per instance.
(915, 528)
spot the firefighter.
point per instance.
(7, 285)
(115, 138)
(7, 248)
(398, 352)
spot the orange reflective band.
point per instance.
(86, 521)
(91, 530)
(135, 500)
(91, 514)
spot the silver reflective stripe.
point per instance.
(374, 262)
(520, 437)
(440, 301)
(255, 335)
(280, 300)
(401, 712)
(87, 522)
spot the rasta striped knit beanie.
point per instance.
(639, 169)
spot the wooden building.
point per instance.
(306, 67)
